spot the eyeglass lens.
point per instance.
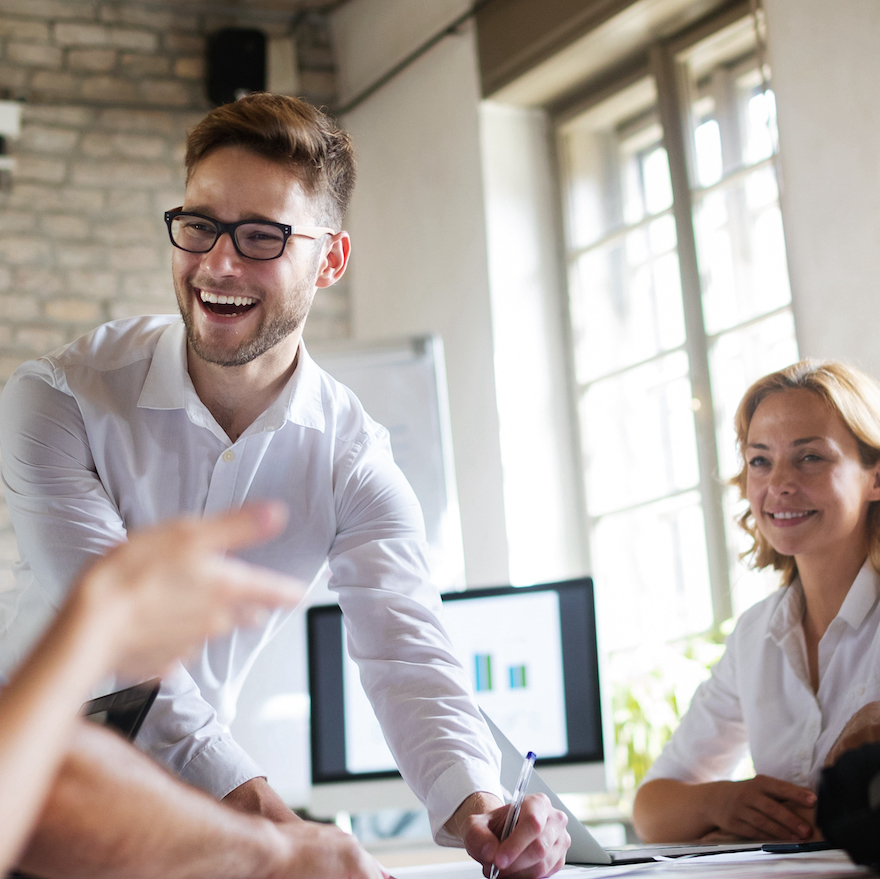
(256, 240)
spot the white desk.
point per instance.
(391, 855)
(743, 865)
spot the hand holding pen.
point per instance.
(527, 838)
(519, 793)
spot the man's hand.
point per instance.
(156, 596)
(764, 808)
(863, 727)
(323, 851)
(536, 847)
(309, 849)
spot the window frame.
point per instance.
(661, 63)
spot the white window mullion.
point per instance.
(673, 116)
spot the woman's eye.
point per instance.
(757, 461)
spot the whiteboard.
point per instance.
(402, 385)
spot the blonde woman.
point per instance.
(802, 662)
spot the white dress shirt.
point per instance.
(759, 699)
(108, 435)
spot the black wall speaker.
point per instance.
(236, 64)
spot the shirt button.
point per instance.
(228, 456)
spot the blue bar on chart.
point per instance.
(483, 672)
(517, 677)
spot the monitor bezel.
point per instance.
(589, 702)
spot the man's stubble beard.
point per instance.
(266, 337)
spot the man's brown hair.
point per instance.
(285, 130)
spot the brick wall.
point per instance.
(108, 90)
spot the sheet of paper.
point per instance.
(740, 865)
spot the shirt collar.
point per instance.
(789, 612)
(859, 601)
(301, 401)
(168, 386)
(862, 596)
(167, 378)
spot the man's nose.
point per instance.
(222, 258)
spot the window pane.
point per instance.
(625, 300)
(741, 250)
(746, 296)
(761, 133)
(638, 432)
(707, 151)
(737, 221)
(656, 182)
(651, 572)
(612, 171)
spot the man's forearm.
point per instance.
(112, 812)
(256, 797)
(37, 713)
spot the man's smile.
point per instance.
(223, 304)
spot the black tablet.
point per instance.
(123, 710)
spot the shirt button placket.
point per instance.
(221, 488)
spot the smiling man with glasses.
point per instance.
(150, 417)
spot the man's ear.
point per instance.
(332, 266)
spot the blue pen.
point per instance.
(519, 793)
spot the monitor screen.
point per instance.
(532, 657)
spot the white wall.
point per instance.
(826, 67)
(538, 444)
(419, 256)
(371, 36)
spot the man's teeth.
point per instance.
(216, 299)
(791, 515)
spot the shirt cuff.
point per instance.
(452, 788)
(220, 768)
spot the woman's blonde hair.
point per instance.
(855, 398)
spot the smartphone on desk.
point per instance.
(784, 848)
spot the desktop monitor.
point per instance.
(532, 656)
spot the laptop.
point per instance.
(585, 850)
(123, 710)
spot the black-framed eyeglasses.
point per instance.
(253, 239)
